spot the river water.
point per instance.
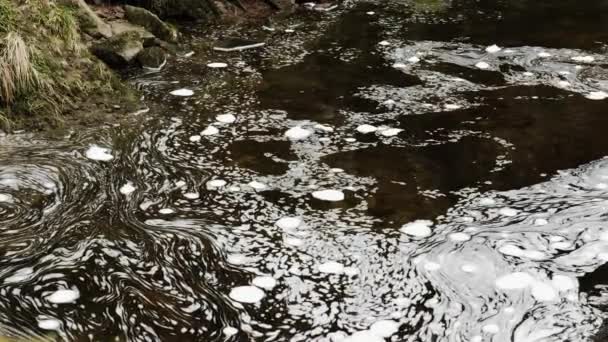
(376, 172)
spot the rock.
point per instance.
(153, 58)
(93, 25)
(119, 50)
(151, 22)
(121, 26)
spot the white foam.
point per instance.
(329, 195)
(166, 211)
(210, 130)
(510, 212)
(399, 65)
(63, 296)
(298, 133)
(324, 128)
(384, 43)
(182, 92)
(127, 189)
(216, 183)
(459, 237)
(389, 132)
(514, 281)
(247, 294)
(331, 267)
(564, 84)
(384, 328)
(413, 59)
(226, 118)
(540, 222)
(597, 95)
(351, 271)
(195, 138)
(180, 183)
(418, 228)
(370, 13)
(543, 54)
(6, 198)
(295, 242)
(490, 329)
(432, 266)
(451, 106)
(350, 140)
(288, 223)
(366, 128)
(264, 282)
(99, 153)
(543, 292)
(257, 185)
(468, 268)
(487, 202)
(493, 48)
(585, 59)
(192, 195)
(482, 65)
(216, 65)
(564, 283)
(363, 336)
(229, 331)
(49, 324)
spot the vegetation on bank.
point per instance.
(46, 72)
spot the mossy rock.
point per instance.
(120, 50)
(151, 22)
(153, 58)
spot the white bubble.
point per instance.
(351, 271)
(49, 324)
(564, 283)
(264, 282)
(99, 153)
(127, 188)
(543, 54)
(543, 292)
(363, 336)
(329, 195)
(459, 237)
(216, 183)
(370, 13)
(229, 331)
(295, 242)
(482, 65)
(487, 202)
(298, 133)
(366, 128)
(195, 138)
(247, 294)
(384, 43)
(217, 65)
(182, 92)
(540, 222)
(585, 59)
(413, 59)
(451, 106)
(331, 267)
(490, 329)
(166, 211)
(6, 198)
(257, 185)
(514, 281)
(597, 95)
(468, 268)
(192, 195)
(210, 130)
(389, 132)
(510, 212)
(399, 65)
(63, 296)
(431, 266)
(288, 223)
(418, 228)
(226, 118)
(384, 328)
(493, 48)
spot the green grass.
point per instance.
(7, 16)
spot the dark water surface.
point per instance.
(473, 209)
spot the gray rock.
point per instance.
(151, 22)
(153, 58)
(119, 50)
(121, 26)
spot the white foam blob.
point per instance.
(490, 329)
(180, 183)
(166, 211)
(351, 271)
(257, 185)
(324, 128)
(389, 132)
(564, 283)
(127, 189)
(331, 267)
(192, 195)
(413, 59)
(366, 128)
(543, 292)
(384, 43)
(493, 48)
(288, 223)
(563, 84)
(329, 195)
(63, 296)
(370, 13)
(264, 282)
(350, 140)
(363, 336)
(216, 65)
(399, 65)
(514, 281)
(195, 138)
(451, 106)
(295, 242)
(298, 133)
(543, 54)
(226, 118)
(597, 95)
(585, 59)
(290, 30)
(510, 212)
(482, 65)
(229, 331)
(418, 228)
(182, 92)
(459, 237)
(247, 294)
(6, 198)
(216, 183)
(49, 324)
(384, 328)
(431, 266)
(99, 153)
(487, 202)
(336, 170)
(540, 222)
(210, 130)
(468, 268)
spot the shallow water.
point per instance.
(473, 210)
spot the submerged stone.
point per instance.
(151, 22)
(153, 58)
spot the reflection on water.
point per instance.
(437, 191)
